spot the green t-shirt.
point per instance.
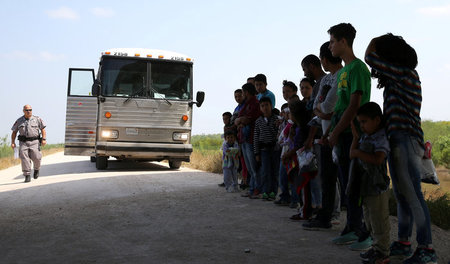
(353, 77)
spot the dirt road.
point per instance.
(146, 213)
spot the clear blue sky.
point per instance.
(229, 41)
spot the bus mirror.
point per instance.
(96, 87)
(200, 98)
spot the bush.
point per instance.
(441, 151)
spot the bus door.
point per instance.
(81, 114)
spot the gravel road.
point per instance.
(146, 213)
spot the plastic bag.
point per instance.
(428, 173)
(308, 159)
(16, 152)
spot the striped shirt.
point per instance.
(266, 131)
(402, 97)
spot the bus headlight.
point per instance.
(110, 133)
(180, 136)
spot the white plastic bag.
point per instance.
(16, 152)
(428, 173)
(306, 158)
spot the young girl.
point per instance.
(299, 132)
(393, 62)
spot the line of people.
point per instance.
(332, 146)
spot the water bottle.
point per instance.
(16, 152)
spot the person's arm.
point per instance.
(13, 139)
(44, 137)
(347, 117)
(309, 141)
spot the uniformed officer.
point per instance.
(30, 140)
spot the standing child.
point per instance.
(393, 62)
(230, 162)
(369, 153)
(265, 137)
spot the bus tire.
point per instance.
(101, 162)
(174, 164)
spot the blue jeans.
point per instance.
(284, 183)
(269, 170)
(405, 162)
(250, 162)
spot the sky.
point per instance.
(228, 41)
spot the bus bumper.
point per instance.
(147, 151)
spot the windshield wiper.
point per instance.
(156, 92)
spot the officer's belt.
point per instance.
(24, 138)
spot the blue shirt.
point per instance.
(269, 94)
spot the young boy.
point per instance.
(230, 162)
(353, 91)
(265, 137)
(393, 62)
(369, 153)
(261, 87)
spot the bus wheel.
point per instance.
(93, 158)
(101, 162)
(174, 164)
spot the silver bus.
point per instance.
(137, 107)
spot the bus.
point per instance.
(138, 107)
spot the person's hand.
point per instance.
(258, 158)
(44, 142)
(333, 140)
(13, 145)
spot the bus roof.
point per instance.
(147, 53)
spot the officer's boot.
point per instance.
(27, 178)
(36, 174)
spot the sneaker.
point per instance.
(36, 174)
(400, 250)
(373, 256)
(346, 239)
(272, 196)
(255, 196)
(368, 254)
(316, 224)
(364, 245)
(422, 256)
(221, 184)
(246, 194)
(335, 220)
(265, 196)
(298, 217)
(281, 202)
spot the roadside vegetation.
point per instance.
(7, 154)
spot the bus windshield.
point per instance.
(146, 79)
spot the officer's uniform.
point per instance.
(29, 146)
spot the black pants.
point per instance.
(329, 172)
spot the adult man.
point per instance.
(323, 108)
(353, 91)
(313, 70)
(28, 127)
(261, 88)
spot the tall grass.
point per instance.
(7, 154)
